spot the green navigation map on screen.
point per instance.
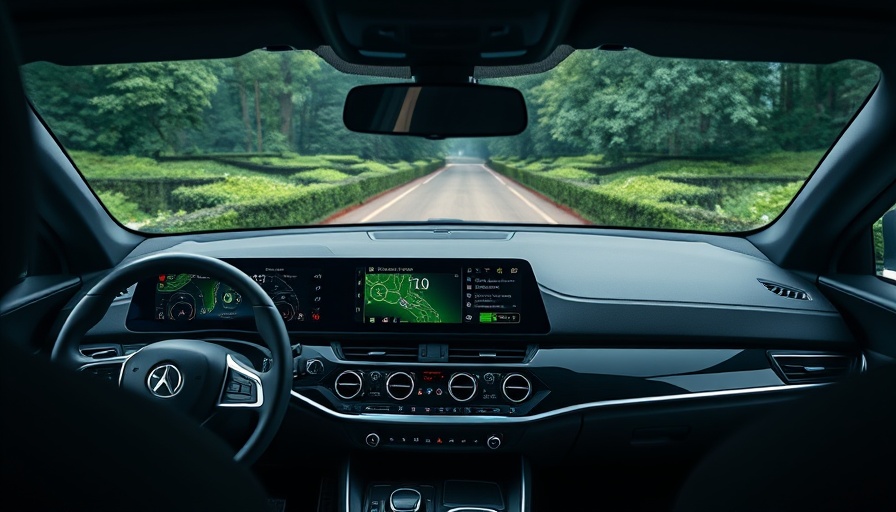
(412, 298)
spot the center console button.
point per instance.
(372, 440)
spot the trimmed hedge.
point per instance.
(322, 175)
(288, 205)
(150, 194)
(615, 207)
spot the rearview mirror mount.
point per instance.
(435, 111)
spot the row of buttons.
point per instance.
(416, 409)
(373, 440)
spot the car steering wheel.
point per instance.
(193, 376)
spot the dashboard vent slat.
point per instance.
(809, 368)
(397, 353)
(486, 354)
(788, 292)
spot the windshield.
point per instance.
(617, 139)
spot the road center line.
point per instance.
(400, 197)
(547, 218)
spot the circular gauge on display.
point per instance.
(287, 304)
(181, 307)
(286, 310)
(230, 298)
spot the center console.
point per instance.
(417, 484)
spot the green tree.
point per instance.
(623, 102)
(62, 95)
(148, 105)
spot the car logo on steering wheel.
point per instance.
(165, 381)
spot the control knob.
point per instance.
(493, 442)
(314, 367)
(372, 440)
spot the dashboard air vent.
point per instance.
(516, 388)
(348, 385)
(459, 354)
(400, 385)
(788, 292)
(462, 387)
(379, 353)
(100, 351)
(809, 368)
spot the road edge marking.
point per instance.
(400, 197)
(536, 209)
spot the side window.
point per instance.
(885, 244)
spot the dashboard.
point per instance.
(524, 341)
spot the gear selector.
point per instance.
(405, 500)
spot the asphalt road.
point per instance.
(460, 191)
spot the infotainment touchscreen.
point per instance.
(429, 293)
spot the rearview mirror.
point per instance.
(435, 111)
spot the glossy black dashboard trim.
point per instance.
(500, 420)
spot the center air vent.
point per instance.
(348, 385)
(516, 388)
(462, 386)
(807, 368)
(464, 354)
(400, 385)
(787, 292)
(396, 353)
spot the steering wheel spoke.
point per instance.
(108, 370)
(243, 387)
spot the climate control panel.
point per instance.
(434, 391)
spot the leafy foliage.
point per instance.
(319, 176)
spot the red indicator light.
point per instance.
(161, 278)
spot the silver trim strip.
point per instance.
(485, 420)
(99, 362)
(233, 365)
(472, 509)
(522, 485)
(348, 486)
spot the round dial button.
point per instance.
(314, 367)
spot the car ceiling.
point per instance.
(103, 31)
